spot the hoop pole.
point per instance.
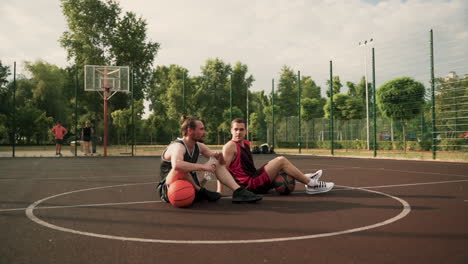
(106, 93)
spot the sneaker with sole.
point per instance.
(314, 176)
(320, 187)
(243, 195)
(204, 194)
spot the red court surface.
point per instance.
(106, 210)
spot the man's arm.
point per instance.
(176, 152)
(229, 152)
(205, 151)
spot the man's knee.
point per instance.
(282, 159)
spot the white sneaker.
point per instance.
(321, 187)
(314, 176)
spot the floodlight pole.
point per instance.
(367, 89)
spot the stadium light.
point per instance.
(364, 44)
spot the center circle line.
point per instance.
(406, 209)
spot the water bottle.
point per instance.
(208, 174)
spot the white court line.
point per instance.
(406, 209)
(74, 178)
(80, 205)
(334, 190)
(403, 185)
(402, 171)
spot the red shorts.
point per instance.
(260, 182)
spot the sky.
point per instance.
(268, 34)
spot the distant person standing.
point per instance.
(86, 133)
(59, 132)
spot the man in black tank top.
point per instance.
(179, 161)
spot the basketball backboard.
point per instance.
(117, 78)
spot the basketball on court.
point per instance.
(284, 184)
(181, 193)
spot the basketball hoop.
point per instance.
(109, 80)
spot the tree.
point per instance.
(212, 96)
(99, 35)
(122, 119)
(129, 46)
(309, 89)
(4, 73)
(336, 85)
(345, 108)
(173, 97)
(401, 99)
(287, 92)
(47, 93)
(241, 82)
(312, 108)
(351, 89)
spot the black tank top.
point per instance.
(166, 165)
(87, 131)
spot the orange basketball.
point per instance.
(284, 184)
(181, 193)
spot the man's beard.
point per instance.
(201, 139)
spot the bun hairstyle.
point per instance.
(188, 122)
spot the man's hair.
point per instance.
(238, 120)
(188, 122)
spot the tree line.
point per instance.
(101, 33)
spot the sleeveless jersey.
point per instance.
(242, 166)
(166, 165)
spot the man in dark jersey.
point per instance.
(179, 161)
(240, 163)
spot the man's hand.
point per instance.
(219, 156)
(211, 167)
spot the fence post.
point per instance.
(76, 110)
(299, 137)
(434, 150)
(273, 110)
(14, 109)
(331, 109)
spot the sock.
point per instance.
(312, 183)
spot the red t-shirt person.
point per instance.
(59, 131)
